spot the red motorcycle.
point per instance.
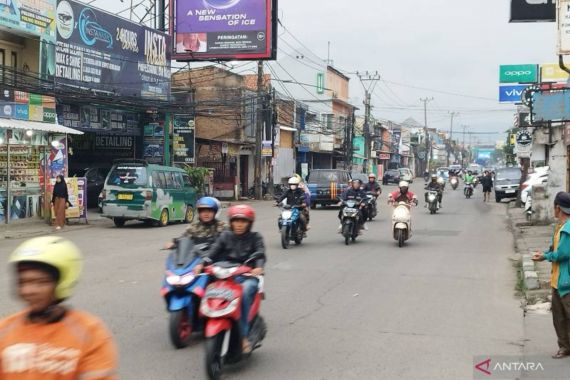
(221, 308)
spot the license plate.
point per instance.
(510, 191)
(125, 197)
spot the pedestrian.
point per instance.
(487, 183)
(49, 340)
(559, 256)
(60, 201)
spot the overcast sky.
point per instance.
(445, 45)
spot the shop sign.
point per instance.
(184, 139)
(29, 17)
(112, 54)
(551, 72)
(533, 11)
(518, 74)
(384, 156)
(266, 149)
(114, 142)
(524, 143)
(511, 94)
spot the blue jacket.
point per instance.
(562, 257)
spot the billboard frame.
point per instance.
(528, 99)
(270, 47)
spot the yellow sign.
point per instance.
(513, 139)
(551, 72)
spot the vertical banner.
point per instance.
(57, 157)
(184, 139)
(74, 211)
(153, 143)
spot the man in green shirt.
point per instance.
(559, 256)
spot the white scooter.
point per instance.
(402, 222)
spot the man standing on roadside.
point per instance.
(559, 256)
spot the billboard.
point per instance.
(518, 73)
(551, 72)
(184, 139)
(533, 10)
(223, 29)
(511, 94)
(550, 106)
(563, 27)
(116, 56)
(29, 16)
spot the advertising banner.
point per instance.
(184, 139)
(533, 10)
(524, 143)
(518, 74)
(550, 106)
(551, 72)
(511, 94)
(30, 16)
(266, 150)
(153, 143)
(26, 106)
(223, 29)
(73, 211)
(563, 27)
(114, 55)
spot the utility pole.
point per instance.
(463, 148)
(373, 79)
(258, 132)
(429, 151)
(453, 114)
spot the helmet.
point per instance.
(241, 212)
(294, 181)
(440, 181)
(210, 203)
(357, 181)
(298, 177)
(371, 175)
(434, 176)
(403, 184)
(55, 252)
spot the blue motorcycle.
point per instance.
(183, 290)
(289, 224)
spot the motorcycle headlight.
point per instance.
(431, 197)
(287, 214)
(183, 280)
(349, 212)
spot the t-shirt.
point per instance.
(77, 347)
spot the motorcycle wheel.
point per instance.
(180, 328)
(400, 236)
(284, 237)
(346, 233)
(299, 237)
(432, 211)
(214, 356)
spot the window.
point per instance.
(169, 180)
(177, 178)
(128, 175)
(186, 180)
(158, 180)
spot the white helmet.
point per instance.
(440, 181)
(294, 181)
(403, 184)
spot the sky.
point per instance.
(421, 49)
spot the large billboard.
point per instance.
(533, 10)
(111, 54)
(29, 16)
(223, 29)
(551, 105)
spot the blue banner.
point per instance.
(511, 94)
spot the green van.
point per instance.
(136, 190)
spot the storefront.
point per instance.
(30, 152)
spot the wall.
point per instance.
(337, 83)
(27, 50)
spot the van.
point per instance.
(158, 195)
(326, 186)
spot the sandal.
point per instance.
(561, 354)
(246, 347)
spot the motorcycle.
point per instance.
(182, 290)
(289, 224)
(468, 190)
(350, 219)
(433, 202)
(221, 308)
(371, 205)
(454, 183)
(402, 223)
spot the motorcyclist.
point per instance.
(295, 197)
(469, 179)
(434, 185)
(208, 227)
(242, 246)
(373, 186)
(402, 194)
(303, 186)
(354, 192)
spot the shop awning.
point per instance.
(37, 126)
(287, 129)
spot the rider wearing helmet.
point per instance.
(241, 245)
(49, 340)
(435, 185)
(402, 194)
(469, 178)
(296, 197)
(355, 191)
(373, 186)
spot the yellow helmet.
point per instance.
(56, 252)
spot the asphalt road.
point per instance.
(367, 311)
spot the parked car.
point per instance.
(327, 185)
(443, 173)
(361, 176)
(507, 183)
(391, 176)
(539, 176)
(406, 175)
(95, 181)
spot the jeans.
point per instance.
(250, 288)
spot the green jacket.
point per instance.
(562, 257)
